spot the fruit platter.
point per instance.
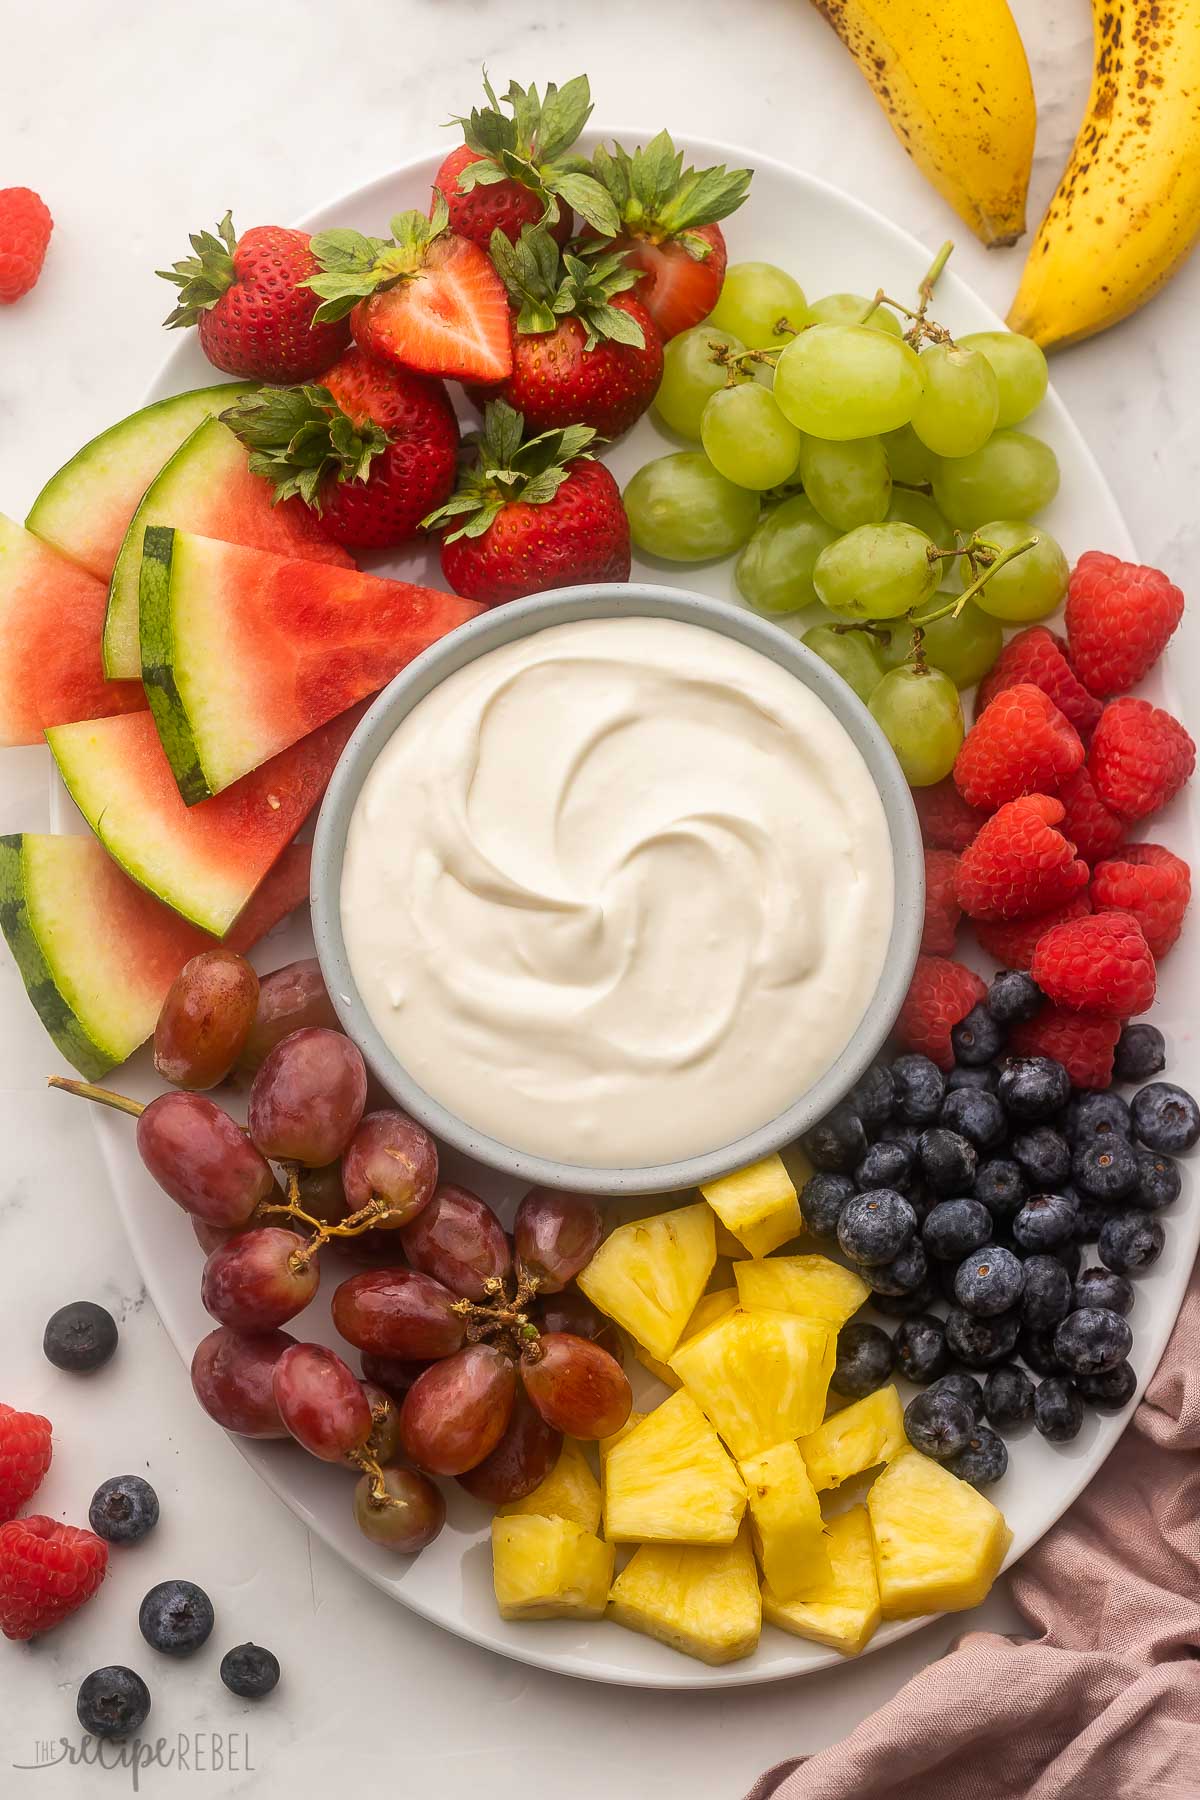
(695, 1438)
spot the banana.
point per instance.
(1127, 210)
(951, 76)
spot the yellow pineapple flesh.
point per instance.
(785, 1520)
(939, 1544)
(757, 1205)
(760, 1376)
(549, 1569)
(843, 1609)
(649, 1275)
(569, 1491)
(672, 1481)
(812, 1286)
(709, 1308)
(705, 1602)
(857, 1438)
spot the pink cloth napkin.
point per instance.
(1103, 1703)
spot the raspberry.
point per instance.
(1140, 758)
(47, 1571)
(947, 822)
(1019, 864)
(25, 227)
(942, 911)
(1119, 619)
(1039, 657)
(1150, 882)
(1012, 941)
(1101, 964)
(1092, 828)
(941, 993)
(1081, 1042)
(1020, 744)
(24, 1458)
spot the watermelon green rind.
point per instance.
(158, 665)
(53, 1006)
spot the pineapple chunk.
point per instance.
(760, 1376)
(671, 1481)
(843, 1609)
(939, 1545)
(727, 1244)
(704, 1602)
(609, 1444)
(710, 1310)
(812, 1286)
(857, 1438)
(785, 1520)
(658, 1369)
(649, 1275)
(570, 1491)
(757, 1205)
(549, 1569)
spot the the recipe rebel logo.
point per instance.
(190, 1753)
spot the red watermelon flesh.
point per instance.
(283, 889)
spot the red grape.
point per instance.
(398, 1312)
(556, 1235)
(576, 1386)
(456, 1413)
(408, 1519)
(232, 1375)
(383, 1445)
(458, 1240)
(289, 999)
(308, 1097)
(202, 1159)
(322, 1195)
(321, 1401)
(259, 1279)
(205, 1019)
(572, 1311)
(393, 1159)
(394, 1374)
(521, 1460)
(209, 1236)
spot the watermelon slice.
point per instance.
(51, 617)
(204, 861)
(207, 487)
(85, 509)
(97, 953)
(243, 653)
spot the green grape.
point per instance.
(920, 714)
(849, 654)
(754, 297)
(908, 458)
(692, 374)
(876, 572)
(1019, 366)
(1012, 477)
(964, 648)
(847, 482)
(774, 571)
(912, 508)
(681, 509)
(747, 439)
(956, 413)
(847, 381)
(848, 309)
(1032, 585)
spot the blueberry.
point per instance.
(938, 1424)
(80, 1337)
(1070, 1256)
(920, 1347)
(1013, 997)
(920, 1087)
(1100, 1287)
(905, 1274)
(112, 1702)
(1008, 1397)
(977, 1039)
(976, 1115)
(875, 1227)
(839, 1142)
(1092, 1115)
(983, 1461)
(989, 1282)
(1033, 1088)
(1002, 1187)
(1047, 1295)
(982, 1343)
(1111, 1389)
(966, 1389)
(1036, 1344)
(948, 1161)
(886, 1164)
(966, 1080)
(1131, 1240)
(1057, 1410)
(1092, 1340)
(1044, 1157)
(953, 1228)
(249, 1671)
(864, 1360)
(1105, 1168)
(1044, 1222)
(896, 1133)
(1165, 1117)
(1090, 1217)
(1158, 1181)
(873, 1096)
(123, 1509)
(821, 1201)
(904, 1306)
(176, 1617)
(1141, 1051)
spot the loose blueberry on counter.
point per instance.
(1111, 1389)
(1057, 1410)
(964, 1388)
(985, 1080)
(875, 1227)
(1033, 1088)
(976, 1115)
(1045, 1222)
(938, 1424)
(920, 1088)
(1092, 1340)
(839, 1142)
(1001, 1187)
(1036, 1345)
(176, 1617)
(821, 1201)
(1008, 1397)
(982, 1343)
(989, 1283)
(1105, 1168)
(948, 1160)
(1131, 1240)
(920, 1347)
(977, 1039)
(1043, 1156)
(1047, 1294)
(1159, 1182)
(983, 1461)
(1165, 1117)
(123, 1509)
(249, 1671)
(80, 1337)
(953, 1228)
(1098, 1114)
(905, 1274)
(1013, 997)
(112, 1702)
(1141, 1052)
(873, 1096)
(886, 1164)
(865, 1359)
(1100, 1287)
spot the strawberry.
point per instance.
(1101, 964)
(1082, 1042)
(531, 513)
(1020, 744)
(942, 911)
(47, 1571)
(1019, 864)
(947, 822)
(1119, 617)
(249, 300)
(1013, 941)
(1153, 884)
(25, 227)
(24, 1458)
(940, 994)
(423, 297)
(1140, 758)
(370, 450)
(1038, 655)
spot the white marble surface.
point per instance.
(139, 123)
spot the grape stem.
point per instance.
(921, 326)
(503, 1313)
(102, 1096)
(993, 559)
(362, 1459)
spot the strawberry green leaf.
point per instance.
(564, 113)
(530, 144)
(656, 197)
(505, 467)
(588, 198)
(354, 266)
(299, 439)
(204, 277)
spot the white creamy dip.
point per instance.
(619, 892)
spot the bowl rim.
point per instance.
(523, 618)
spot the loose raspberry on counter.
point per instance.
(1153, 884)
(1095, 831)
(25, 227)
(942, 911)
(47, 1572)
(1140, 758)
(941, 993)
(1119, 618)
(1081, 1042)
(1019, 864)
(947, 822)
(1039, 656)
(1020, 744)
(25, 1453)
(1012, 942)
(1101, 964)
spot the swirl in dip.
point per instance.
(618, 892)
